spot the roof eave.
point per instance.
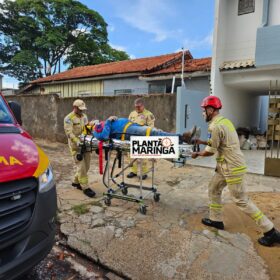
(90, 78)
(189, 75)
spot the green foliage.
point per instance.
(37, 36)
(80, 209)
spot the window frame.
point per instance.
(247, 10)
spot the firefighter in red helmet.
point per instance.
(230, 170)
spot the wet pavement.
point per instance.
(52, 268)
(64, 264)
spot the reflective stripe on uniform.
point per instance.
(125, 129)
(234, 181)
(216, 206)
(238, 170)
(219, 119)
(148, 131)
(83, 180)
(225, 122)
(220, 159)
(257, 216)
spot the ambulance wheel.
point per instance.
(107, 201)
(124, 191)
(79, 157)
(143, 209)
(156, 197)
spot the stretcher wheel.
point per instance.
(156, 197)
(107, 201)
(124, 191)
(79, 157)
(143, 209)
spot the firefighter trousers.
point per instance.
(81, 169)
(145, 167)
(238, 195)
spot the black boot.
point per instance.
(270, 237)
(144, 177)
(215, 224)
(131, 175)
(78, 186)
(89, 192)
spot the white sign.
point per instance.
(154, 147)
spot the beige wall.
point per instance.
(43, 115)
(71, 89)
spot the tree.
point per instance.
(37, 36)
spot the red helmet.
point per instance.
(99, 127)
(212, 101)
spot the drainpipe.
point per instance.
(265, 12)
(183, 65)
(173, 84)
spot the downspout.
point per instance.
(173, 84)
(265, 15)
(183, 65)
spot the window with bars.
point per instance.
(246, 7)
(122, 91)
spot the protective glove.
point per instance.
(93, 122)
(112, 118)
(77, 141)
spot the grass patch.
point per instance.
(96, 203)
(80, 209)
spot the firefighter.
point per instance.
(141, 116)
(74, 125)
(230, 170)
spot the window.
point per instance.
(246, 7)
(83, 93)
(5, 116)
(157, 88)
(122, 91)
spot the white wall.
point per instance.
(274, 12)
(242, 108)
(235, 39)
(137, 86)
(240, 39)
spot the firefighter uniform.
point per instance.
(143, 118)
(74, 126)
(230, 171)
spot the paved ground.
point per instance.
(254, 159)
(169, 242)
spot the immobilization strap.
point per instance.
(125, 129)
(100, 156)
(148, 131)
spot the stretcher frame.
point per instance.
(118, 189)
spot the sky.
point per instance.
(145, 28)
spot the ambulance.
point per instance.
(27, 197)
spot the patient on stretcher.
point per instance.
(122, 128)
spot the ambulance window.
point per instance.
(5, 116)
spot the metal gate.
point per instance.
(272, 152)
(188, 110)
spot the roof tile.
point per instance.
(120, 67)
(191, 65)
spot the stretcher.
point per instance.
(114, 151)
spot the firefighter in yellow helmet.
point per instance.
(230, 170)
(74, 125)
(141, 116)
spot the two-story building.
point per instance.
(246, 62)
